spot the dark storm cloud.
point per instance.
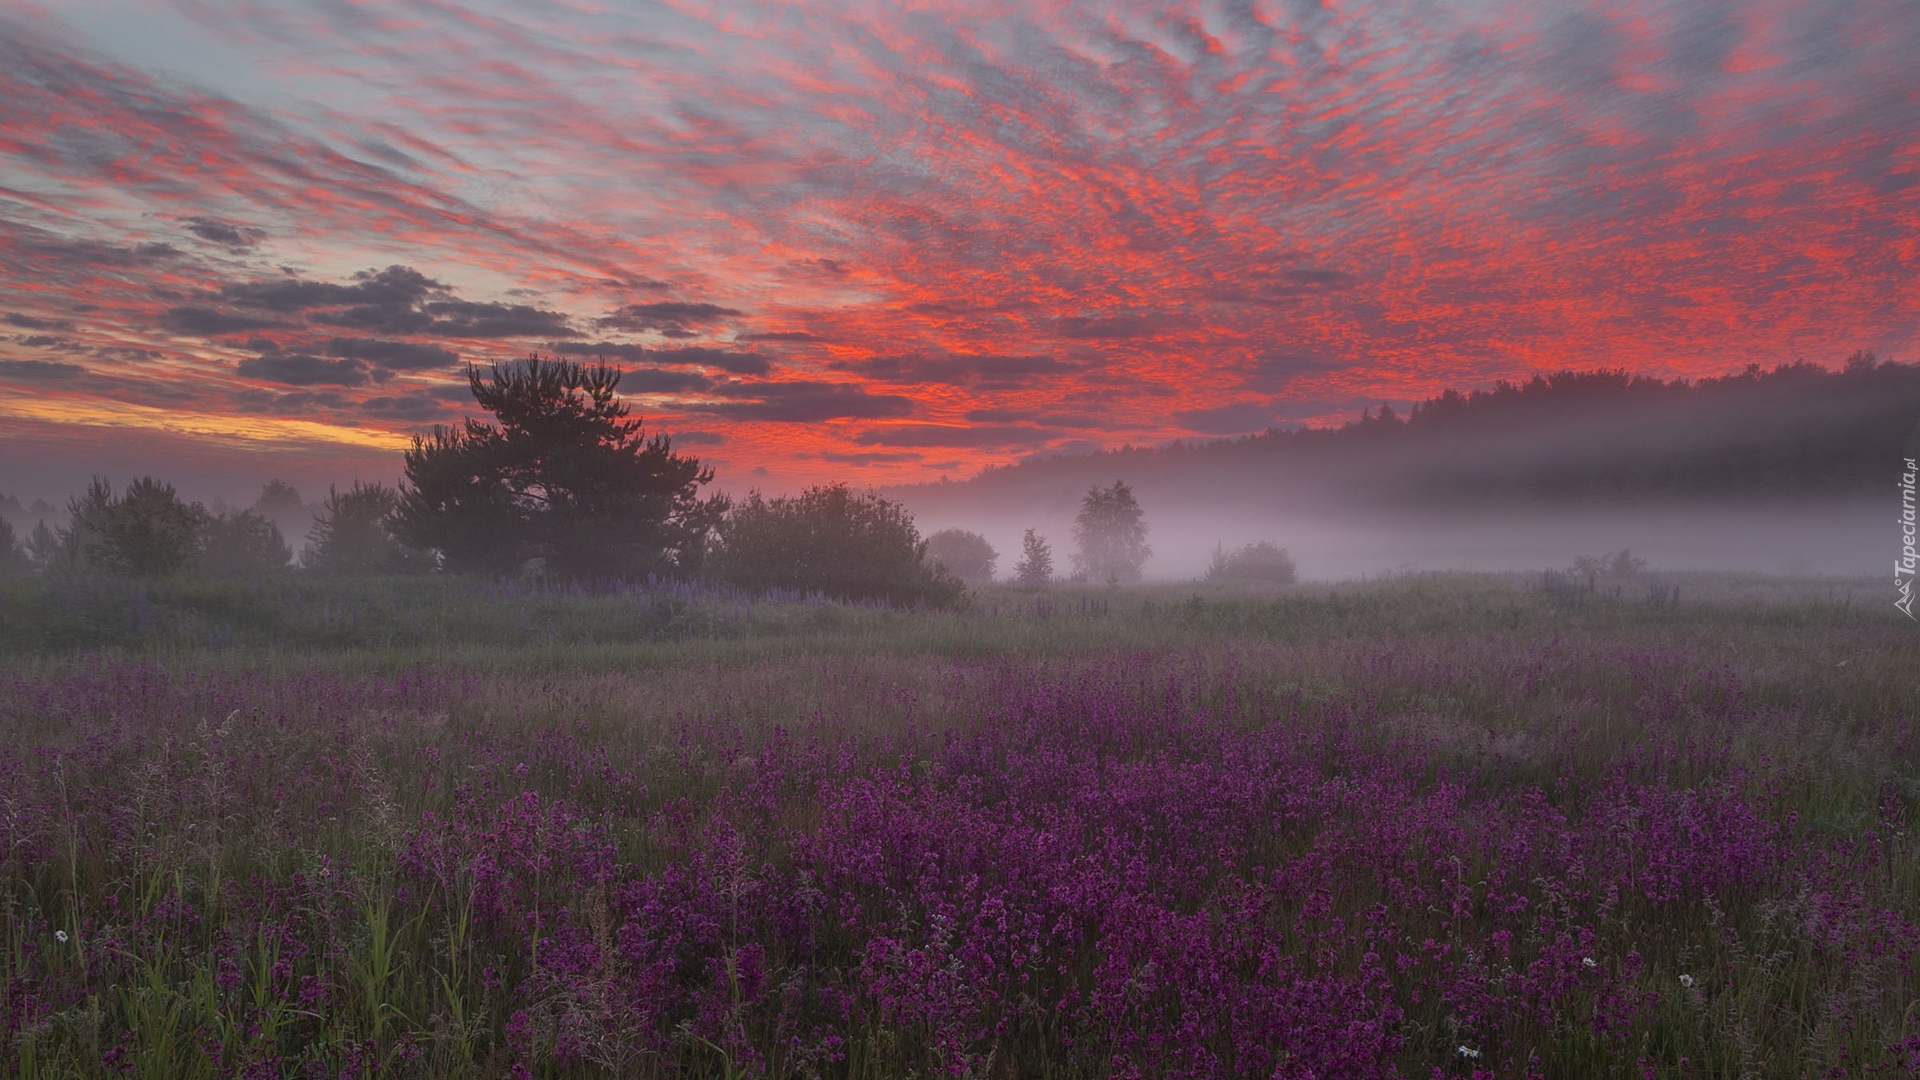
(224, 233)
(206, 322)
(299, 369)
(40, 371)
(665, 315)
(802, 402)
(392, 355)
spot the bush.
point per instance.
(832, 540)
(241, 545)
(351, 535)
(146, 532)
(967, 555)
(1257, 562)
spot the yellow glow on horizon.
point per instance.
(253, 429)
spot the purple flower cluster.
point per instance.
(1145, 864)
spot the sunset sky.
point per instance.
(885, 242)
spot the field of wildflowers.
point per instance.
(1428, 827)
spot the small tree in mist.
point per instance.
(351, 534)
(242, 544)
(1035, 568)
(43, 546)
(1259, 562)
(563, 475)
(13, 555)
(967, 555)
(1110, 534)
(846, 544)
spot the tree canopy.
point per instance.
(564, 475)
(966, 555)
(1111, 535)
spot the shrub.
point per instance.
(242, 544)
(1256, 562)
(967, 555)
(146, 532)
(848, 545)
(350, 536)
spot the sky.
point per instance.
(886, 242)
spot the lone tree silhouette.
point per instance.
(1110, 535)
(562, 476)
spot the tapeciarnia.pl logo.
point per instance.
(1903, 567)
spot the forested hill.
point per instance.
(1796, 432)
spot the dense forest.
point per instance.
(1797, 431)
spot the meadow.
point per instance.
(1417, 826)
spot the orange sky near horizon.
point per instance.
(884, 242)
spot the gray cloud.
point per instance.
(40, 371)
(393, 355)
(206, 322)
(665, 316)
(738, 363)
(29, 322)
(223, 233)
(657, 381)
(299, 369)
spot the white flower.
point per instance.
(1588, 962)
(60, 936)
(1468, 1051)
(1686, 981)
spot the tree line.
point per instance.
(563, 481)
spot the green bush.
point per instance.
(1256, 562)
(847, 545)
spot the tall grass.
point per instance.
(1384, 829)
